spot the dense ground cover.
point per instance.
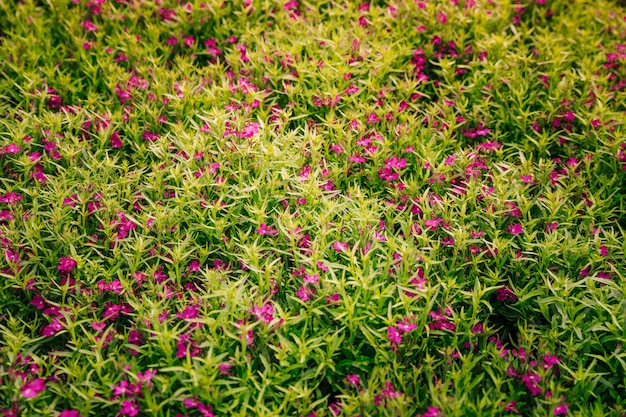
(312, 208)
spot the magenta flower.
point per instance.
(10, 198)
(69, 413)
(433, 223)
(332, 299)
(311, 279)
(53, 328)
(340, 246)
(395, 163)
(149, 136)
(550, 226)
(516, 229)
(190, 312)
(305, 293)
(394, 335)
(266, 230)
(550, 361)
(224, 368)
(66, 264)
(561, 409)
(194, 266)
(511, 406)
(264, 312)
(505, 294)
(372, 118)
(250, 130)
(89, 26)
(531, 381)
(353, 379)
(10, 149)
(406, 327)
(184, 342)
(129, 408)
(120, 389)
(115, 140)
(188, 41)
(448, 241)
(212, 49)
(147, 376)
(31, 389)
(431, 412)
(478, 328)
(356, 158)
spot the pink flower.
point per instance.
(66, 264)
(10, 149)
(250, 130)
(149, 136)
(431, 412)
(505, 294)
(561, 409)
(147, 376)
(478, 328)
(120, 389)
(372, 118)
(448, 241)
(266, 230)
(31, 389)
(340, 246)
(265, 312)
(531, 381)
(332, 299)
(516, 229)
(394, 335)
(604, 251)
(356, 158)
(115, 140)
(511, 406)
(190, 312)
(184, 342)
(353, 379)
(550, 226)
(10, 198)
(212, 48)
(224, 368)
(337, 149)
(549, 361)
(305, 293)
(129, 408)
(188, 41)
(311, 279)
(89, 26)
(53, 328)
(433, 223)
(69, 413)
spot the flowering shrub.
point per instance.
(312, 208)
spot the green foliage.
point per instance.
(312, 208)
